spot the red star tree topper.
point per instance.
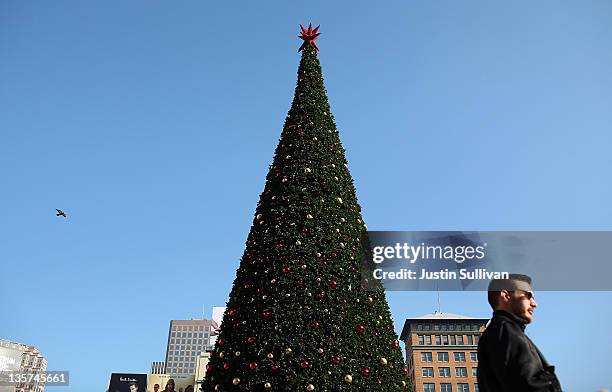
(309, 36)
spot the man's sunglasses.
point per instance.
(528, 294)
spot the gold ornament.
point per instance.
(270, 356)
(348, 378)
(221, 354)
(339, 200)
(217, 387)
(309, 216)
(370, 299)
(318, 254)
(307, 170)
(298, 242)
(383, 361)
(267, 385)
(236, 381)
(237, 353)
(310, 387)
(259, 216)
(288, 351)
(404, 384)
(320, 351)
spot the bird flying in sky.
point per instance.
(60, 213)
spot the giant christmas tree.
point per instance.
(297, 319)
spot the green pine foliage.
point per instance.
(297, 319)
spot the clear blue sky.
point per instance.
(152, 124)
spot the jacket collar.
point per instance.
(510, 317)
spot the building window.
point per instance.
(444, 372)
(446, 387)
(460, 339)
(428, 372)
(429, 387)
(477, 338)
(428, 340)
(445, 339)
(475, 372)
(427, 327)
(443, 327)
(421, 340)
(426, 357)
(459, 357)
(470, 340)
(461, 372)
(436, 327)
(438, 340)
(443, 357)
(452, 340)
(475, 387)
(474, 356)
(463, 387)
(451, 327)
(419, 327)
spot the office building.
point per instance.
(441, 351)
(186, 340)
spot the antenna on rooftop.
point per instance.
(438, 290)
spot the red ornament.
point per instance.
(253, 365)
(320, 296)
(333, 284)
(285, 269)
(405, 370)
(304, 364)
(208, 367)
(274, 368)
(266, 314)
(309, 36)
(360, 328)
(250, 340)
(226, 365)
(379, 382)
(299, 282)
(315, 324)
(335, 360)
(220, 342)
(365, 372)
(231, 312)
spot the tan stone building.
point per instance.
(19, 357)
(441, 351)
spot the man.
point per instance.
(508, 361)
(133, 387)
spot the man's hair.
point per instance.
(493, 295)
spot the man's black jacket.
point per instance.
(508, 361)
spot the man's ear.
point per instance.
(504, 295)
